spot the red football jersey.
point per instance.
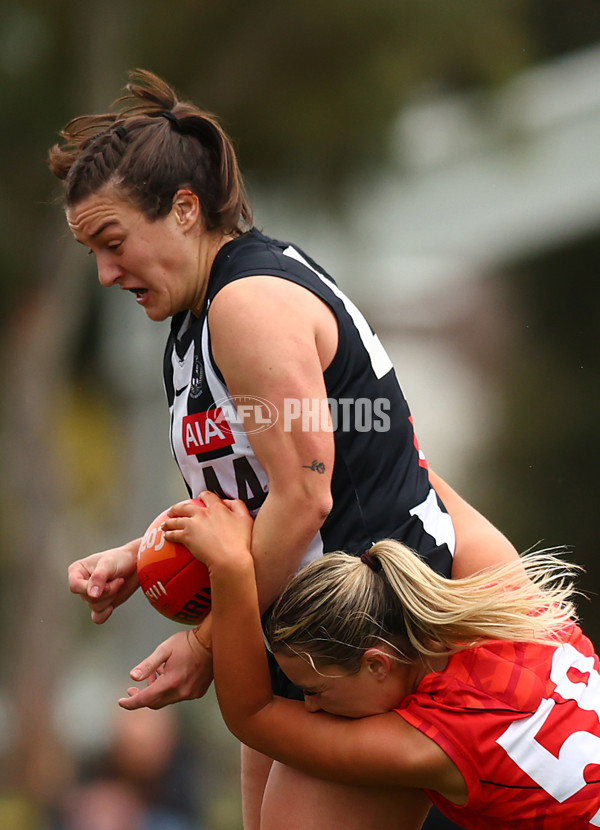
(521, 721)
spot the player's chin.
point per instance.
(157, 308)
(157, 315)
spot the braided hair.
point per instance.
(148, 146)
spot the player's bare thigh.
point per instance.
(294, 801)
(255, 774)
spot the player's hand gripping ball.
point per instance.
(176, 583)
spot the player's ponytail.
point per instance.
(339, 605)
(148, 146)
(529, 599)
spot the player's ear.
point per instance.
(186, 208)
(377, 663)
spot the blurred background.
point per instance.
(439, 159)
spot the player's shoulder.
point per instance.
(254, 253)
(263, 304)
(494, 673)
(249, 253)
(255, 274)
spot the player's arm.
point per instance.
(479, 544)
(284, 338)
(382, 750)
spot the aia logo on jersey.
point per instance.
(206, 431)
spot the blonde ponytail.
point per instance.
(338, 606)
(530, 599)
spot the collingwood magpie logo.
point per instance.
(197, 379)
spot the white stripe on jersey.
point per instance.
(380, 360)
(182, 378)
(437, 523)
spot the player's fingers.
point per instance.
(99, 594)
(174, 530)
(173, 523)
(113, 587)
(105, 572)
(184, 508)
(131, 702)
(237, 506)
(152, 697)
(209, 498)
(115, 593)
(150, 665)
(78, 577)
(100, 617)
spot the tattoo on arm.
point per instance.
(316, 467)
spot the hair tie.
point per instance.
(172, 118)
(372, 561)
(121, 132)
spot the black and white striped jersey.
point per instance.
(380, 483)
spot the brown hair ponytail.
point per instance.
(148, 146)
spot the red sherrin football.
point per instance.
(176, 583)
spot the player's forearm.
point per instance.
(240, 666)
(278, 545)
(285, 526)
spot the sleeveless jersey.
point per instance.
(380, 483)
(522, 724)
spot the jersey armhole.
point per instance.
(453, 751)
(332, 373)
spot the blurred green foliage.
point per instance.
(545, 462)
(308, 89)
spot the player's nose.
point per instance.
(108, 271)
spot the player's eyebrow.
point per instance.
(98, 231)
(103, 227)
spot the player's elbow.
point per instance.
(311, 500)
(314, 506)
(323, 506)
(243, 720)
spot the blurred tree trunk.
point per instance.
(38, 632)
(45, 532)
